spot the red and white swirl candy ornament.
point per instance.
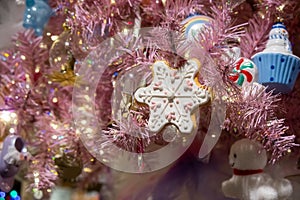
(244, 72)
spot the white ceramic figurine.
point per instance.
(249, 182)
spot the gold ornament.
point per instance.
(66, 76)
(69, 167)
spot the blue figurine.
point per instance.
(36, 15)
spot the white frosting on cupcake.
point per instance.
(278, 40)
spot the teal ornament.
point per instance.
(36, 16)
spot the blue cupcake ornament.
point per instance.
(277, 67)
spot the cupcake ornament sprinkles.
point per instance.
(277, 67)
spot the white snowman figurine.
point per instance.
(249, 182)
(279, 40)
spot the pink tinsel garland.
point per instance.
(250, 113)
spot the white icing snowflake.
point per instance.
(172, 96)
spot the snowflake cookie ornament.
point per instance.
(172, 96)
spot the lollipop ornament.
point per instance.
(194, 24)
(37, 14)
(244, 72)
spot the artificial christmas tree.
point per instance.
(81, 86)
